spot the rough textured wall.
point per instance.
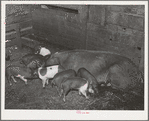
(17, 13)
(64, 25)
(117, 28)
(18, 23)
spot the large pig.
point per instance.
(106, 67)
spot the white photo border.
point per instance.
(71, 114)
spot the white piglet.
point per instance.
(46, 73)
(42, 51)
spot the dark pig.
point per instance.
(15, 71)
(33, 61)
(59, 77)
(84, 73)
(76, 83)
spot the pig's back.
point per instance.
(74, 81)
(30, 57)
(67, 73)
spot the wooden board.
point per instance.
(14, 19)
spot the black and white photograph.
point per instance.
(74, 60)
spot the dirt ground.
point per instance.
(33, 96)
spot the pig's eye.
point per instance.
(50, 68)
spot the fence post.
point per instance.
(18, 36)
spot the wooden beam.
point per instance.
(18, 36)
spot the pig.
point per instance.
(33, 61)
(52, 61)
(15, 71)
(46, 73)
(84, 73)
(42, 51)
(59, 77)
(107, 67)
(75, 83)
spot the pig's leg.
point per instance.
(13, 79)
(84, 93)
(52, 83)
(83, 90)
(79, 93)
(65, 92)
(25, 80)
(62, 93)
(47, 81)
(43, 83)
(58, 91)
(64, 98)
(9, 80)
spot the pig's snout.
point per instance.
(35, 73)
(91, 90)
(36, 51)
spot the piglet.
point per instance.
(76, 83)
(84, 73)
(42, 50)
(33, 61)
(46, 73)
(59, 77)
(15, 71)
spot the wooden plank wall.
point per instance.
(18, 23)
(112, 28)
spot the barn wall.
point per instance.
(114, 28)
(117, 28)
(62, 26)
(17, 13)
(18, 23)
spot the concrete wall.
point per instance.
(112, 28)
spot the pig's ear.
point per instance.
(39, 47)
(36, 52)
